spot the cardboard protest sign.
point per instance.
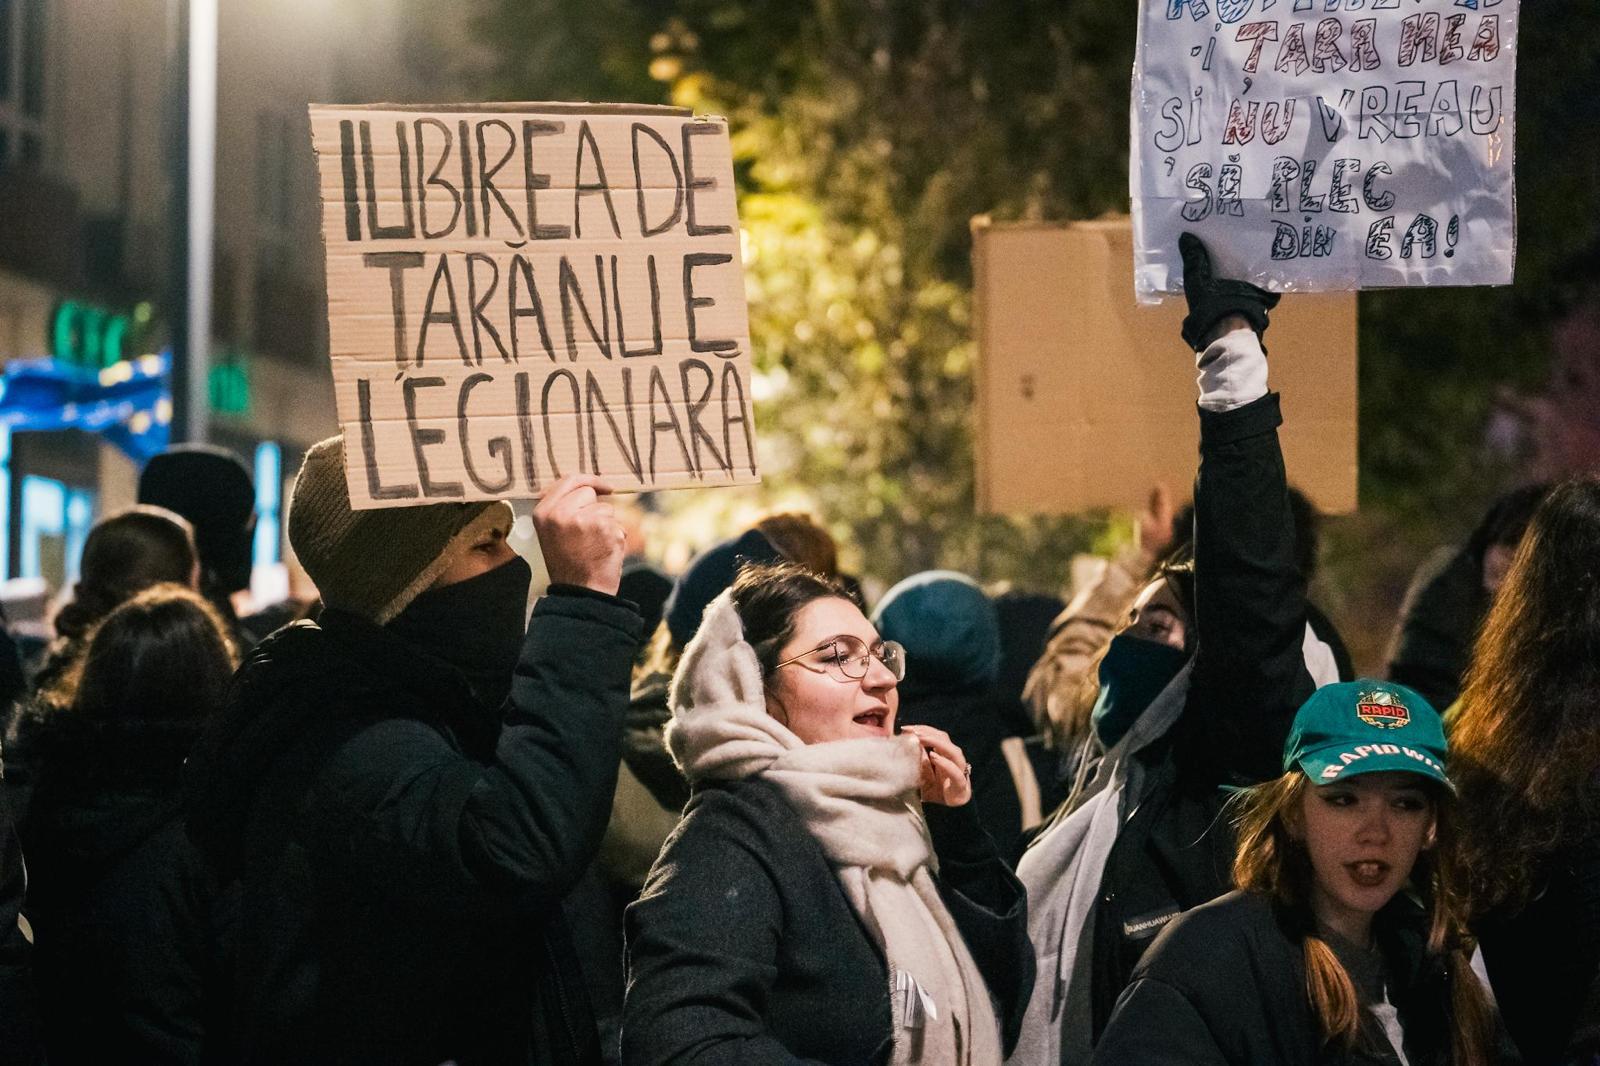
(1326, 144)
(521, 291)
(1086, 398)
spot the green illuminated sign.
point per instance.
(229, 384)
(89, 336)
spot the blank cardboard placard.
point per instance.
(1087, 399)
(522, 291)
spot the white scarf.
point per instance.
(859, 799)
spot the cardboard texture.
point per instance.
(565, 295)
(1087, 399)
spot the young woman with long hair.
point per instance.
(1527, 743)
(1345, 941)
(123, 555)
(120, 903)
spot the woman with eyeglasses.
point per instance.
(829, 896)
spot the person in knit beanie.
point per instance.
(407, 787)
(829, 896)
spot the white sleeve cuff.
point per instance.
(1232, 371)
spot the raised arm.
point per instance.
(1250, 596)
(399, 807)
(513, 835)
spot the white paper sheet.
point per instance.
(1325, 144)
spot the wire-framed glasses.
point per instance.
(845, 658)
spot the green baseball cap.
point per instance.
(1363, 727)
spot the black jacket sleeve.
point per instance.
(1250, 598)
(989, 906)
(400, 808)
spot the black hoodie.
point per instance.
(401, 853)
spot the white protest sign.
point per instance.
(1326, 144)
(522, 291)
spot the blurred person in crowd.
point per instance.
(408, 787)
(800, 538)
(125, 915)
(644, 584)
(1449, 596)
(122, 556)
(1345, 941)
(214, 490)
(951, 633)
(795, 913)
(13, 681)
(1025, 623)
(1196, 693)
(1035, 766)
(1527, 760)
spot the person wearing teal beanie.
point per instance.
(951, 633)
(949, 628)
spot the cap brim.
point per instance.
(1338, 762)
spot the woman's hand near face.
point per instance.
(945, 777)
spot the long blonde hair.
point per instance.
(1272, 862)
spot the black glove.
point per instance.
(1211, 299)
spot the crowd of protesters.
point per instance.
(742, 816)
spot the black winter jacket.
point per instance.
(402, 854)
(128, 921)
(744, 951)
(1225, 985)
(1249, 678)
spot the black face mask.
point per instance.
(475, 626)
(1132, 675)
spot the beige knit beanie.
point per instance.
(373, 563)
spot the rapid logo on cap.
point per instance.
(1382, 709)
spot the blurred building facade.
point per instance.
(89, 91)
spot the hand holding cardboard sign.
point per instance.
(579, 534)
